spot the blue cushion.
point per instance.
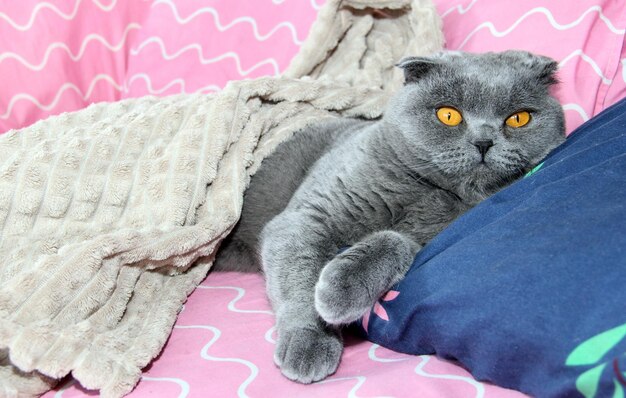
(528, 289)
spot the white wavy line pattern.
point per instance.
(590, 61)
(419, 369)
(360, 380)
(59, 93)
(459, 8)
(240, 293)
(184, 386)
(316, 6)
(222, 28)
(268, 336)
(176, 82)
(89, 38)
(371, 354)
(542, 10)
(85, 96)
(254, 371)
(40, 6)
(578, 109)
(195, 46)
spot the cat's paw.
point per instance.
(306, 355)
(342, 293)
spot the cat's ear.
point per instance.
(416, 67)
(544, 68)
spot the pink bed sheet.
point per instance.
(61, 56)
(222, 346)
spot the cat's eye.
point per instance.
(519, 119)
(449, 116)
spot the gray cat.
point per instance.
(462, 127)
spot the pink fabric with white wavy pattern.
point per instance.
(222, 346)
(60, 56)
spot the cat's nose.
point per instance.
(483, 146)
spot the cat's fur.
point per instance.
(384, 189)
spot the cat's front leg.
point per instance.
(352, 281)
(294, 249)
(307, 349)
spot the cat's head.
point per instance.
(477, 121)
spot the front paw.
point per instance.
(342, 293)
(306, 355)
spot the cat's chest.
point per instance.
(429, 213)
(352, 194)
(369, 205)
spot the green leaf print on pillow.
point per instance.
(593, 352)
(534, 170)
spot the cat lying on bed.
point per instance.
(462, 127)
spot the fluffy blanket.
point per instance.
(110, 215)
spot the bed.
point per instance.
(62, 57)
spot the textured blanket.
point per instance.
(109, 216)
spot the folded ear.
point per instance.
(416, 67)
(544, 68)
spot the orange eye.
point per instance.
(519, 119)
(449, 116)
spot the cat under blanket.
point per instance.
(462, 127)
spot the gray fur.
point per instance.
(384, 189)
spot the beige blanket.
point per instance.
(110, 215)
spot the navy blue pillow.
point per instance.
(528, 289)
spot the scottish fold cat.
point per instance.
(462, 127)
